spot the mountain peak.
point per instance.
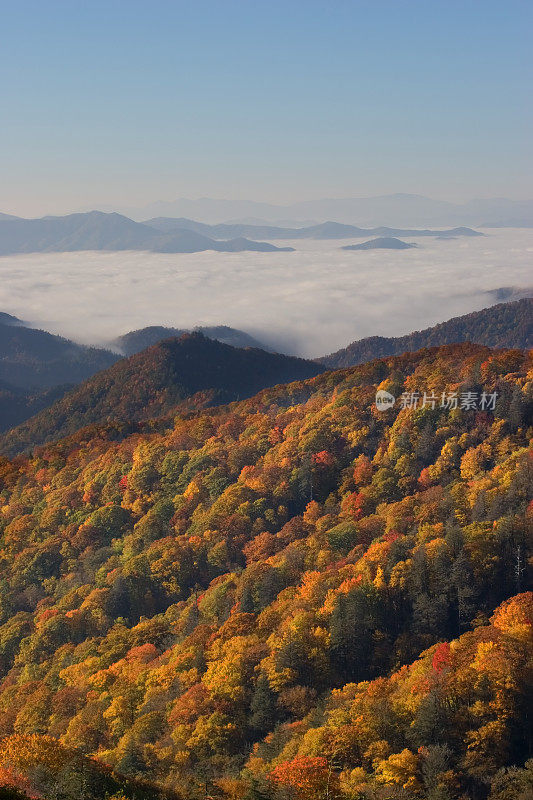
(150, 383)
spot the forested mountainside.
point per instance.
(151, 383)
(37, 368)
(503, 325)
(17, 404)
(34, 359)
(293, 596)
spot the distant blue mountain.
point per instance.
(382, 243)
(98, 231)
(324, 230)
(399, 210)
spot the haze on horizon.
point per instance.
(116, 105)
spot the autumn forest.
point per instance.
(291, 597)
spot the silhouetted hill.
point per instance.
(135, 341)
(7, 319)
(33, 358)
(382, 243)
(149, 384)
(503, 325)
(324, 230)
(98, 231)
(191, 242)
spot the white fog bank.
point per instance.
(309, 302)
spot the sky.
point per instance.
(123, 102)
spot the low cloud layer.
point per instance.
(309, 302)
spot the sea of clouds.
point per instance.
(309, 302)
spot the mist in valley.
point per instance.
(309, 302)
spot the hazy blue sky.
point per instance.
(122, 102)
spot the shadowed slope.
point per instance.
(150, 383)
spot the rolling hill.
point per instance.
(381, 243)
(502, 325)
(150, 383)
(33, 359)
(37, 368)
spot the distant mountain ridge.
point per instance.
(400, 209)
(324, 230)
(507, 325)
(151, 383)
(96, 230)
